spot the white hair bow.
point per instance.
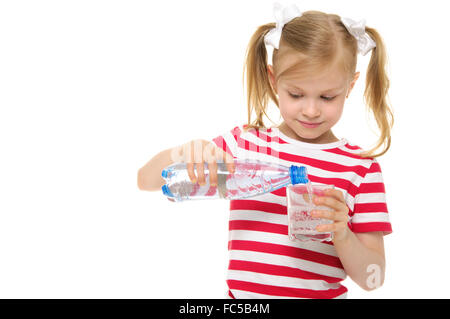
(282, 16)
(358, 30)
(285, 14)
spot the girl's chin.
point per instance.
(307, 137)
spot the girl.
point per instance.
(312, 73)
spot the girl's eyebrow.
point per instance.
(327, 90)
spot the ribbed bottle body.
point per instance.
(251, 178)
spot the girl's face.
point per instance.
(311, 106)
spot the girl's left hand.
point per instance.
(335, 200)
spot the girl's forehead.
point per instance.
(330, 75)
(323, 82)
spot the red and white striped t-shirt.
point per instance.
(264, 263)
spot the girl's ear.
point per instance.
(272, 78)
(352, 84)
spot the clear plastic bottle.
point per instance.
(251, 178)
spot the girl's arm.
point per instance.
(361, 254)
(149, 176)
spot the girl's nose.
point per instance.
(310, 109)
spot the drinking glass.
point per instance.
(301, 225)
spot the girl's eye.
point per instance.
(295, 96)
(326, 98)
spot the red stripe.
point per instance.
(337, 182)
(370, 227)
(372, 188)
(374, 168)
(258, 226)
(278, 270)
(220, 142)
(353, 147)
(350, 212)
(236, 132)
(252, 147)
(370, 208)
(285, 291)
(246, 204)
(325, 165)
(283, 250)
(261, 135)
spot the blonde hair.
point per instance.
(318, 40)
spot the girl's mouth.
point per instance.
(309, 125)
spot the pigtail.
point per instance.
(376, 94)
(259, 89)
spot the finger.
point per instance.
(212, 168)
(335, 193)
(190, 170)
(197, 149)
(323, 214)
(187, 154)
(331, 227)
(330, 202)
(226, 158)
(231, 168)
(189, 158)
(306, 197)
(331, 215)
(200, 173)
(208, 152)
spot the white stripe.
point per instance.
(271, 198)
(373, 178)
(259, 216)
(370, 218)
(364, 198)
(231, 142)
(284, 240)
(287, 261)
(280, 281)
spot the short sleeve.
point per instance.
(370, 211)
(228, 140)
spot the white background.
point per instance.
(92, 90)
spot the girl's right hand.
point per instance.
(195, 153)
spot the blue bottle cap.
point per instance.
(164, 173)
(298, 174)
(166, 191)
